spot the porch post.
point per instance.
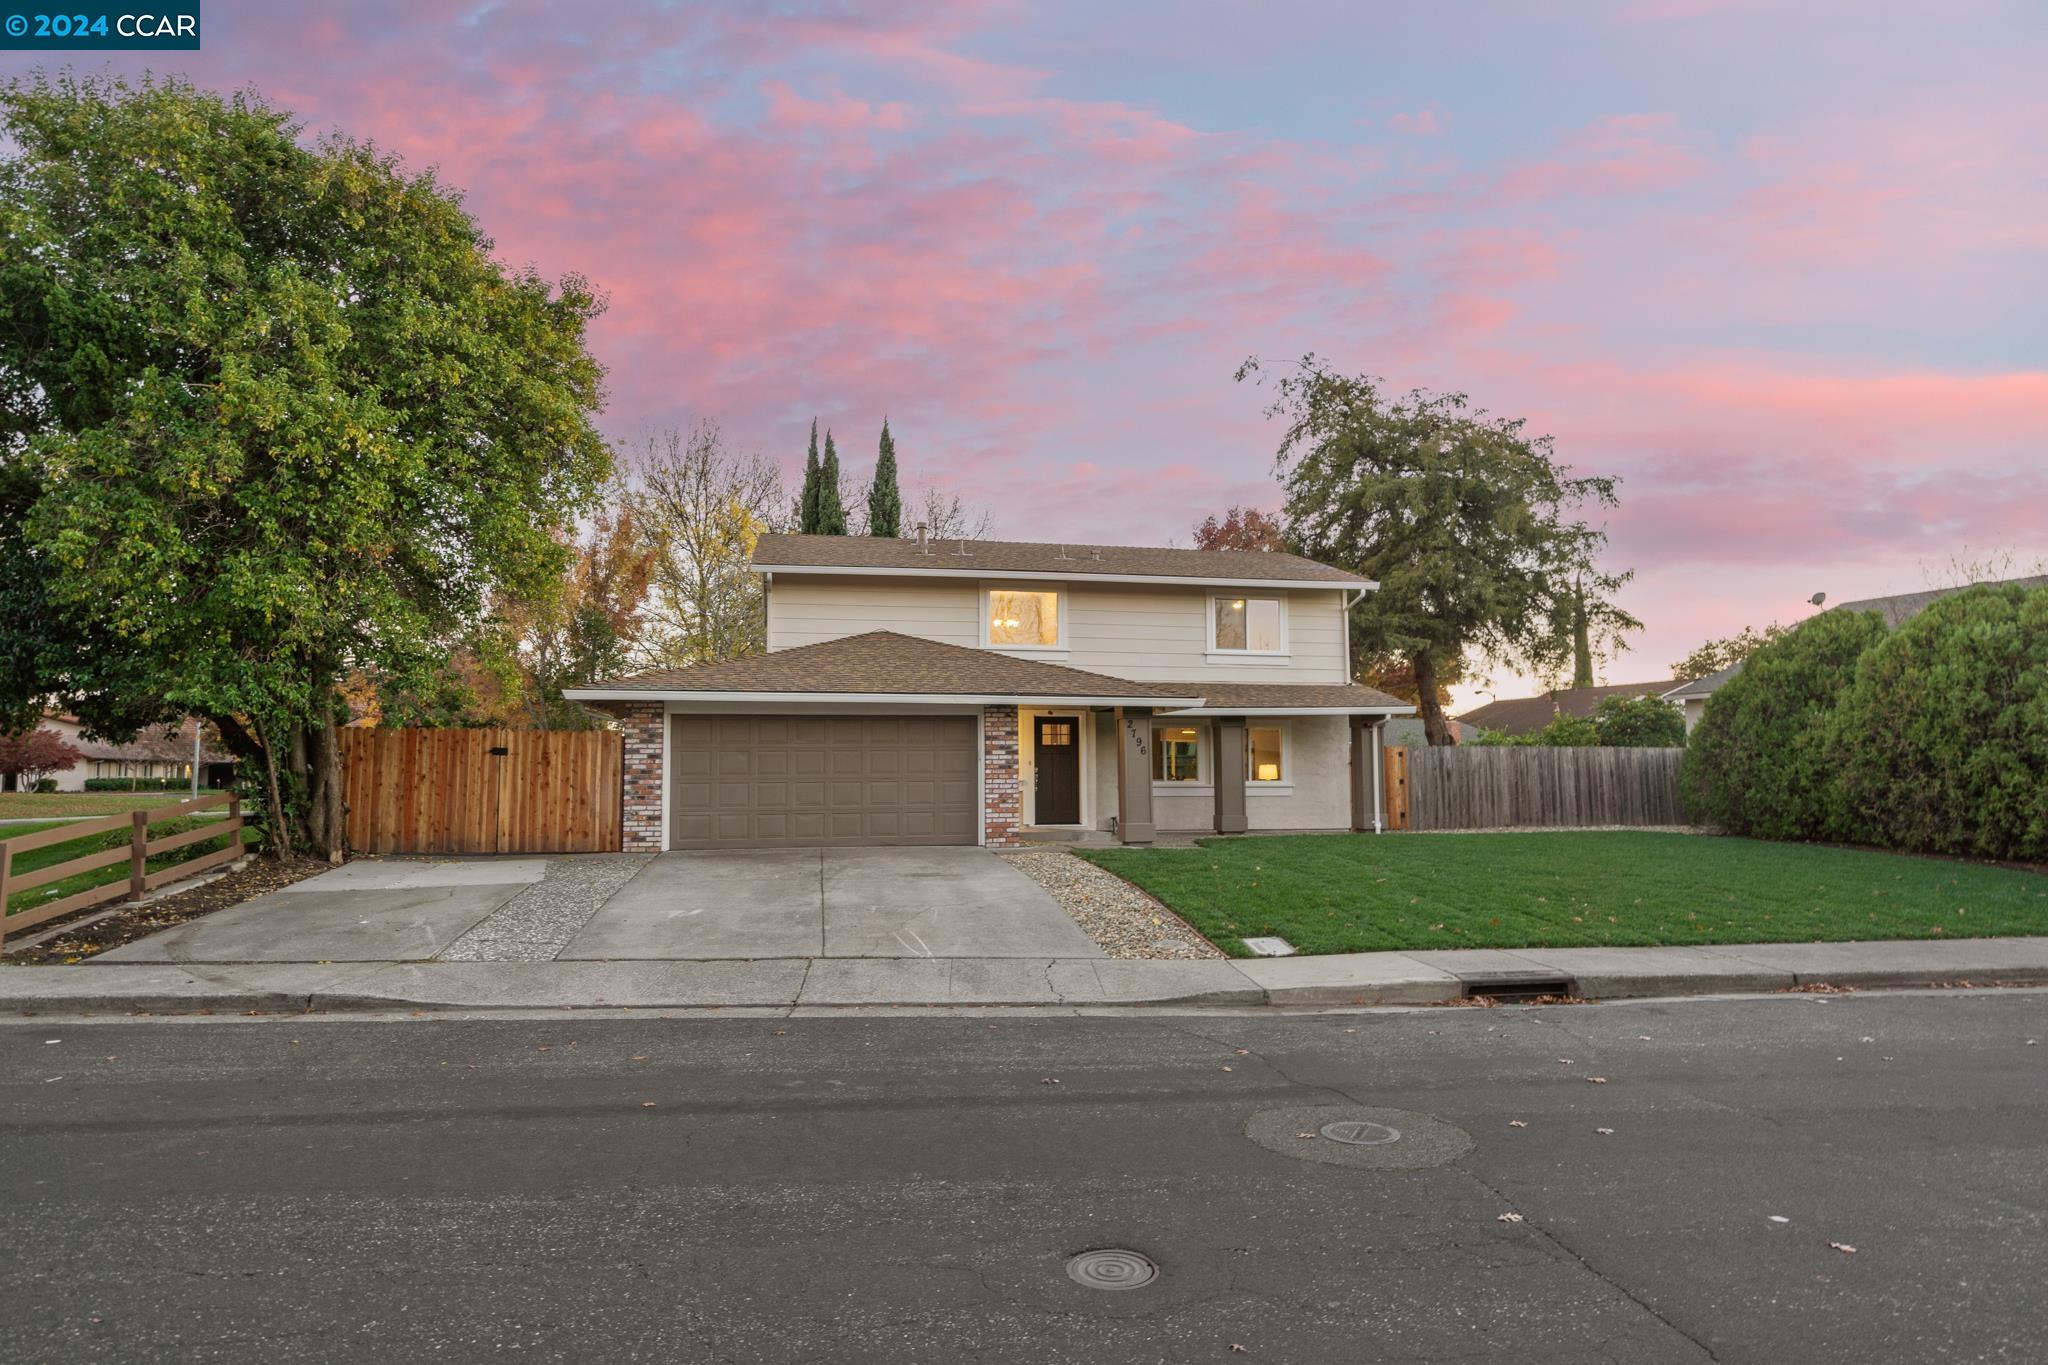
(1229, 784)
(1134, 774)
(1364, 774)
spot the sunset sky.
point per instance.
(1780, 267)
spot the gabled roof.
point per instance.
(1896, 611)
(156, 744)
(887, 555)
(884, 665)
(1704, 687)
(1526, 715)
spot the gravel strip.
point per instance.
(1123, 921)
(539, 922)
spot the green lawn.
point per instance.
(94, 843)
(26, 805)
(1360, 892)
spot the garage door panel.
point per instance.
(792, 781)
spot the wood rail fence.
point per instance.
(483, 791)
(137, 852)
(1484, 787)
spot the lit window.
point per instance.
(1176, 753)
(1023, 618)
(1262, 754)
(1251, 624)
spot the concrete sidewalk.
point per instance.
(1358, 979)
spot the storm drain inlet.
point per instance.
(1112, 1268)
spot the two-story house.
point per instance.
(964, 692)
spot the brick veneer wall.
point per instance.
(1001, 791)
(642, 722)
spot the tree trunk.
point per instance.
(280, 832)
(1436, 728)
(1582, 644)
(323, 791)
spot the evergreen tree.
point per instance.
(885, 501)
(831, 510)
(807, 499)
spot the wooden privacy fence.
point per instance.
(1484, 787)
(137, 852)
(483, 791)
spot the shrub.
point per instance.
(1639, 723)
(1942, 740)
(1563, 732)
(1759, 761)
(139, 784)
(45, 785)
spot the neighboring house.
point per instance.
(1407, 732)
(1896, 611)
(1526, 715)
(162, 751)
(1691, 697)
(973, 692)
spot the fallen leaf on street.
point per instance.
(1844, 1248)
(1227, 1068)
(1517, 1123)
(647, 1104)
(641, 1058)
(1779, 1218)
(1305, 1135)
(1603, 1131)
(1509, 1218)
(1048, 1080)
(1596, 1080)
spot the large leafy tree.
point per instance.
(702, 507)
(274, 417)
(1715, 655)
(1469, 525)
(885, 499)
(1240, 528)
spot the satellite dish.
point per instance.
(1818, 598)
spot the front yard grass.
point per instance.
(30, 805)
(94, 843)
(1361, 892)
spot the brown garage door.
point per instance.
(797, 781)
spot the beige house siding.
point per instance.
(1318, 794)
(1130, 631)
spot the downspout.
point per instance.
(1379, 763)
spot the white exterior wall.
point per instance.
(1125, 630)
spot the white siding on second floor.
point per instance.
(1127, 630)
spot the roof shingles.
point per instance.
(1030, 557)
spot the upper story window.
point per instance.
(1022, 619)
(1249, 625)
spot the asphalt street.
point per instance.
(1655, 1182)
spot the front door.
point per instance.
(1056, 761)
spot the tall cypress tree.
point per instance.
(807, 500)
(885, 501)
(831, 509)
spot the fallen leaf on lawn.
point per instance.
(1844, 1248)
(1596, 1080)
(1517, 1123)
(1509, 1218)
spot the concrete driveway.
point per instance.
(834, 902)
(778, 903)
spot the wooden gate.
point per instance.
(483, 791)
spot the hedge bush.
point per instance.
(1760, 760)
(1942, 740)
(139, 784)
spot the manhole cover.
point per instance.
(1112, 1268)
(1365, 1139)
(1360, 1133)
